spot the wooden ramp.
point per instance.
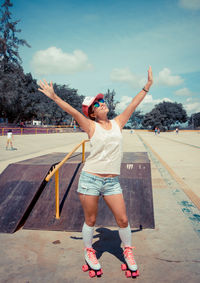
(19, 187)
(136, 184)
(21, 184)
(27, 200)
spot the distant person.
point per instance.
(9, 139)
(177, 131)
(100, 173)
(74, 126)
(22, 125)
(156, 131)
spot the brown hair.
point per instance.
(91, 111)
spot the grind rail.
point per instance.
(55, 172)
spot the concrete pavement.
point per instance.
(168, 253)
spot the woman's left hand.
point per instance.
(150, 77)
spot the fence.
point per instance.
(32, 131)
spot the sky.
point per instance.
(96, 45)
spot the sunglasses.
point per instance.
(97, 103)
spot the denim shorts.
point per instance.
(90, 184)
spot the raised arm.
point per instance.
(48, 90)
(123, 118)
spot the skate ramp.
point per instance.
(19, 188)
(27, 200)
(136, 184)
(21, 185)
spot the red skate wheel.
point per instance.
(85, 267)
(123, 267)
(99, 272)
(135, 273)
(92, 273)
(128, 273)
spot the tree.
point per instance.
(49, 112)
(11, 72)
(9, 42)
(111, 103)
(194, 120)
(70, 96)
(136, 119)
(164, 115)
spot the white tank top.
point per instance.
(106, 150)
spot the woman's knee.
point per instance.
(122, 221)
(90, 220)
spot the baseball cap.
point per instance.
(87, 102)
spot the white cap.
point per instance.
(87, 102)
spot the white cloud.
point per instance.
(125, 75)
(183, 92)
(190, 4)
(149, 100)
(192, 107)
(147, 104)
(165, 78)
(54, 61)
(125, 100)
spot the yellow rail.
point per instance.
(56, 172)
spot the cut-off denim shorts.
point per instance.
(90, 184)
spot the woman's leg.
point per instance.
(7, 144)
(90, 208)
(117, 205)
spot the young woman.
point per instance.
(100, 173)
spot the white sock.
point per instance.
(125, 236)
(87, 233)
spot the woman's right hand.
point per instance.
(47, 89)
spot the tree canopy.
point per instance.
(111, 103)
(12, 77)
(136, 119)
(9, 42)
(19, 95)
(50, 113)
(194, 120)
(164, 115)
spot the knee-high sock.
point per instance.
(125, 236)
(87, 233)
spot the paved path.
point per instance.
(168, 253)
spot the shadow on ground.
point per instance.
(108, 241)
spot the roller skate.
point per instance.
(92, 263)
(130, 267)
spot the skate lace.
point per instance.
(128, 252)
(91, 254)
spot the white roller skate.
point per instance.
(130, 266)
(92, 263)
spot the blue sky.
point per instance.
(95, 45)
